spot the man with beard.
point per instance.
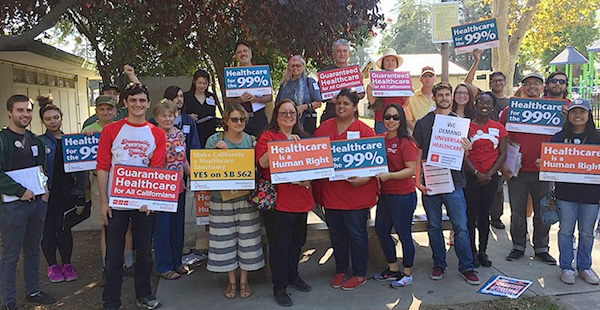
(21, 220)
(455, 202)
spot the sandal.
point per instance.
(245, 290)
(231, 291)
(183, 269)
(170, 275)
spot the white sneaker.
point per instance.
(404, 281)
(589, 276)
(567, 276)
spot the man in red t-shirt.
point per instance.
(527, 182)
(131, 141)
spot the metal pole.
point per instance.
(445, 51)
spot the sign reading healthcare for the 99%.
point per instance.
(479, 35)
(538, 116)
(255, 80)
(296, 161)
(358, 158)
(573, 163)
(132, 187)
(230, 169)
(391, 84)
(79, 152)
(332, 81)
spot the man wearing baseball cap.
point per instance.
(421, 102)
(527, 182)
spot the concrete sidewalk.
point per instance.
(204, 290)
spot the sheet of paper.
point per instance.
(513, 158)
(438, 180)
(32, 178)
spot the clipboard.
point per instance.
(32, 178)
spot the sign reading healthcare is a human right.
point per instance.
(573, 163)
(133, 187)
(539, 116)
(295, 161)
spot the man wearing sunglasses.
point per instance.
(556, 86)
(422, 101)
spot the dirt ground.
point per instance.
(84, 293)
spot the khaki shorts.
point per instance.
(95, 196)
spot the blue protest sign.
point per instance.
(539, 116)
(256, 80)
(79, 152)
(479, 35)
(358, 158)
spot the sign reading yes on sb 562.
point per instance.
(538, 116)
(231, 169)
(79, 152)
(256, 80)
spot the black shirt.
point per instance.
(422, 135)
(576, 192)
(25, 150)
(207, 122)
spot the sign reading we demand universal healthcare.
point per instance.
(538, 116)
(295, 161)
(445, 147)
(255, 80)
(132, 187)
(479, 35)
(573, 163)
(391, 84)
(358, 158)
(230, 169)
(332, 81)
(79, 152)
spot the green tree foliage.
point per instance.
(411, 33)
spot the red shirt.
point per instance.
(531, 145)
(341, 195)
(398, 152)
(386, 102)
(290, 197)
(485, 140)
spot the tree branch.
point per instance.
(519, 34)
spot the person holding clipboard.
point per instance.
(23, 210)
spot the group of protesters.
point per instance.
(183, 121)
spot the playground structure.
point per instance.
(587, 84)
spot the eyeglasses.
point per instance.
(296, 66)
(498, 81)
(388, 117)
(557, 81)
(238, 119)
(462, 93)
(287, 114)
(536, 83)
(427, 75)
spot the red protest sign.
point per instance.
(332, 81)
(132, 187)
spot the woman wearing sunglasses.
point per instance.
(398, 199)
(297, 86)
(234, 226)
(347, 202)
(483, 162)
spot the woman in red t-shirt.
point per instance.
(347, 202)
(286, 225)
(483, 162)
(398, 199)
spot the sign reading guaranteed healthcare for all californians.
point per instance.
(133, 187)
(479, 35)
(538, 116)
(358, 158)
(296, 161)
(391, 84)
(79, 152)
(255, 80)
(230, 169)
(332, 81)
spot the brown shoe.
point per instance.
(231, 291)
(245, 290)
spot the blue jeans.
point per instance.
(348, 232)
(21, 227)
(379, 128)
(168, 237)
(396, 210)
(585, 216)
(456, 208)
